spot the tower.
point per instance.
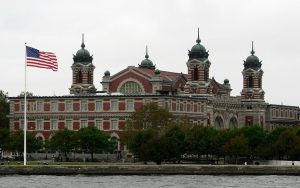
(198, 71)
(82, 72)
(252, 79)
(252, 95)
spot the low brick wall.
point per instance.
(150, 170)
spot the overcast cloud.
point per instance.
(117, 31)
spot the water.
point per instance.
(188, 181)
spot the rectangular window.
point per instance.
(83, 106)
(69, 124)
(69, 106)
(54, 125)
(114, 105)
(39, 125)
(99, 124)
(83, 123)
(129, 105)
(114, 125)
(54, 106)
(40, 106)
(99, 105)
(177, 105)
(21, 125)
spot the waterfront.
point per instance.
(177, 181)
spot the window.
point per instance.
(31, 106)
(250, 82)
(39, 124)
(99, 124)
(83, 105)
(79, 77)
(69, 106)
(21, 127)
(114, 105)
(83, 123)
(177, 105)
(99, 105)
(69, 124)
(114, 125)
(54, 125)
(40, 106)
(54, 106)
(131, 87)
(129, 105)
(195, 76)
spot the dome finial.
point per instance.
(82, 45)
(252, 51)
(198, 39)
(146, 56)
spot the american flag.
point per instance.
(36, 58)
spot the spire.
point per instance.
(146, 56)
(198, 39)
(252, 51)
(82, 45)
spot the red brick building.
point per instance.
(194, 94)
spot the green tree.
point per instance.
(287, 142)
(62, 141)
(4, 138)
(173, 142)
(236, 147)
(91, 140)
(143, 144)
(29, 94)
(17, 142)
(4, 110)
(255, 136)
(150, 116)
(199, 140)
(221, 138)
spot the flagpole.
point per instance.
(25, 110)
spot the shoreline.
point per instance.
(131, 169)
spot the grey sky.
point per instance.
(117, 31)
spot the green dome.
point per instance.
(83, 55)
(82, 52)
(198, 48)
(107, 73)
(147, 63)
(198, 51)
(252, 61)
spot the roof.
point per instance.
(166, 75)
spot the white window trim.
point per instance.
(52, 107)
(111, 125)
(37, 125)
(56, 126)
(66, 105)
(87, 123)
(101, 106)
(117, 105)
(127, 105)
(66, 126)
(81, 106)
(101, 126)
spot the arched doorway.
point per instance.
(219, 123)
(233, 123)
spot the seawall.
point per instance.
(150, 170)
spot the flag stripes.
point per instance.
(39, 59)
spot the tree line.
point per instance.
(152, 135)
(88, 140)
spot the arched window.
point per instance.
(131, 87)
(250, 82)
(79, 77)
(195, 76)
